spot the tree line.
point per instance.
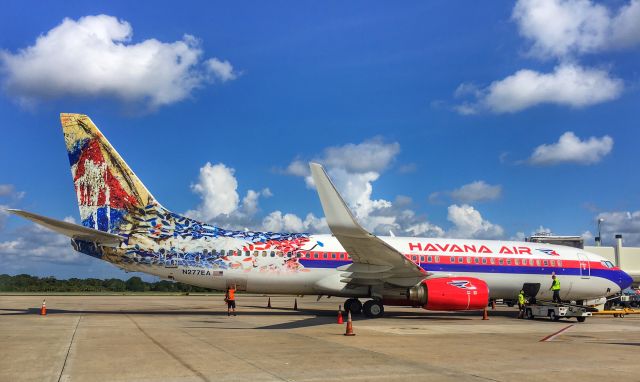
(28, 283)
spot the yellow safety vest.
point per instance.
(555, 285)
(521, 299)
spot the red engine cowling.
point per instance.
(444, 293)
(455, 293)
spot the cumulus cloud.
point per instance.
(220, 203)
(561, 28)
(625, 223)
(95, 56)
(353, 168)
(571, 149)
(223, 70)
(568, 85)
(478, 191)
(33, 243)
(469, 223)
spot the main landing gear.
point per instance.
(371, 308)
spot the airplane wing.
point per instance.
(374, 261)
(71, 230)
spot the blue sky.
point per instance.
(432, 118)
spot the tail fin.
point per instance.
(106, 187)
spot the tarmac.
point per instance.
(191, 338)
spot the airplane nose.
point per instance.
(624, 281)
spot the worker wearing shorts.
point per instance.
(230, 299)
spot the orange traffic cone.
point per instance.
(269, 303)
(349, 331)
(485, 314)
(295, 304)
(340, 320)
(43, 310)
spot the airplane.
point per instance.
(122, 223)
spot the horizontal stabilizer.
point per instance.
(71, 230)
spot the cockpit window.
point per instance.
(607, 263)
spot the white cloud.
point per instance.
(562, 28)
(570, 149)
(468, 223)
(217, 187)
(625, 223)
(568, 85)
(94, 56)
(34, 243)
(373, 155)
(478, 191)
(221, 69)
(297, 168)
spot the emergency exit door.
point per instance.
(585, 267)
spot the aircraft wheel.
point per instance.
(581, 319)
(373, 309)
(354, 305)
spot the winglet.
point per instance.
(339, 218)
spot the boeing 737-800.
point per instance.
(122, 223)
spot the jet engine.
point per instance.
(444, 293)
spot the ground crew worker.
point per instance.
(230, 299)
(555, 287)
(521, 301)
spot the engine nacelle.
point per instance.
(444, 293)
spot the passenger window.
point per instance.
(222, 252)
(461, 260)
(324, 255)
(501, 261)
(247, 253)
(546, 263)
(264, 253)
(560, 263)
(516, 262)
(255, 253)
(453, 260)
(469, 261)
(484, 260)
(273, 254)
(422, 259)
(553, 263)
(476, 260)
(524, 261)
(429, 259)
(508, 261)
(537, 262)
(280, 254)
(333, 255)
(437, 259)
(493, 260)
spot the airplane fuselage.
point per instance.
(312, 268)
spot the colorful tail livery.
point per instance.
(123, 224)
(106, 187)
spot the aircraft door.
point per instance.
(585, 266)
